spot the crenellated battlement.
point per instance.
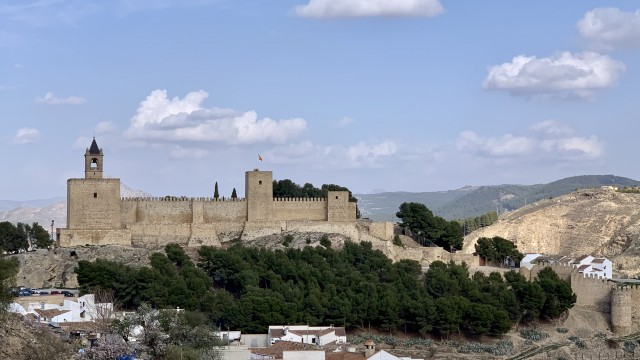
(181, 199)
(309, 199)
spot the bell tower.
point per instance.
(93, 158)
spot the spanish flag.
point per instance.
(259, 157)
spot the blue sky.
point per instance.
(413, 95)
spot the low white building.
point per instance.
(81, 309)
(598, 267)
(527, 260)
(318, 335)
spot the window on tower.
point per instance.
(94, 163)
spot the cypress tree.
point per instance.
(234, 195)
(216, 195)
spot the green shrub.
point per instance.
(562, 330)
(533, 334)
(397, 241)
(324, 241)
(287, 240)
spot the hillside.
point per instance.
(476, 200)
(588, 221)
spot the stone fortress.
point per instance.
(619, 300)
(97, 215)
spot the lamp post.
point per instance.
(52, 230)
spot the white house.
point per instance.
(77, 310)
(318, 335)
(527, 260)
(583, 260)
(598, 267)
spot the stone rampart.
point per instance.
(382, 230)
(564, 271)
(314, 209)
(621, 310)
(225, 211)
(82, 237)
(591, 292)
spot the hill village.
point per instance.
(97, 216)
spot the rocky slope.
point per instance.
(590, 221)
(55, 268)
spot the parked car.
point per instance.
(66, 293)
(35, 291)
(44, 293)
(24, 292)
(55, 292)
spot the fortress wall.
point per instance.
(299, 209)
(431, 254)
(128, 211)
(348, 229)
(563, 271)
(71, 238)
(382, 230)
(153, 236)
(216, 211)
(592, 293)
(339, 208)
(164, 212)
(93, 204)
(635, 303)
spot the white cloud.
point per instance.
(105, 127)
(163, 119)
(365, 153)
(321, 9)
(552, 127)
(610, 28)
(26, 136)
(361, 155)
(550, 140)
(50, 99)
(563, 74)
(507, 145)
(344, 122)
(180, 152)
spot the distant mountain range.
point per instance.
(477, 200)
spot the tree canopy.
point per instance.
(427, 228)
(497, 249)
(249, 288)
(20, 237)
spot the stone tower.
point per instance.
(259, 194)
(621, 312)
(93, 161)
(93, 202)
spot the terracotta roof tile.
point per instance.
(582, 267)
(275, 351)
(344, 356)
(598, 261)
(51, 313)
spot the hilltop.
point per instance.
(472, 201)
(588, 221)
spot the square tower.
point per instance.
(259, 195)
(339, 208)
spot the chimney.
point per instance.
(369, 348)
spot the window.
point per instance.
(260, 182)
(95, 195)
(336, 197)
(94, 163)
(42, 306)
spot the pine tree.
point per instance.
(234, 195)
(216, 195)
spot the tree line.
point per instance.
(21, 237)
(474, 223)
(247, 289)
(428, 229)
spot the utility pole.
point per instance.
(52, 230)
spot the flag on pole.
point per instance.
(259, 157)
